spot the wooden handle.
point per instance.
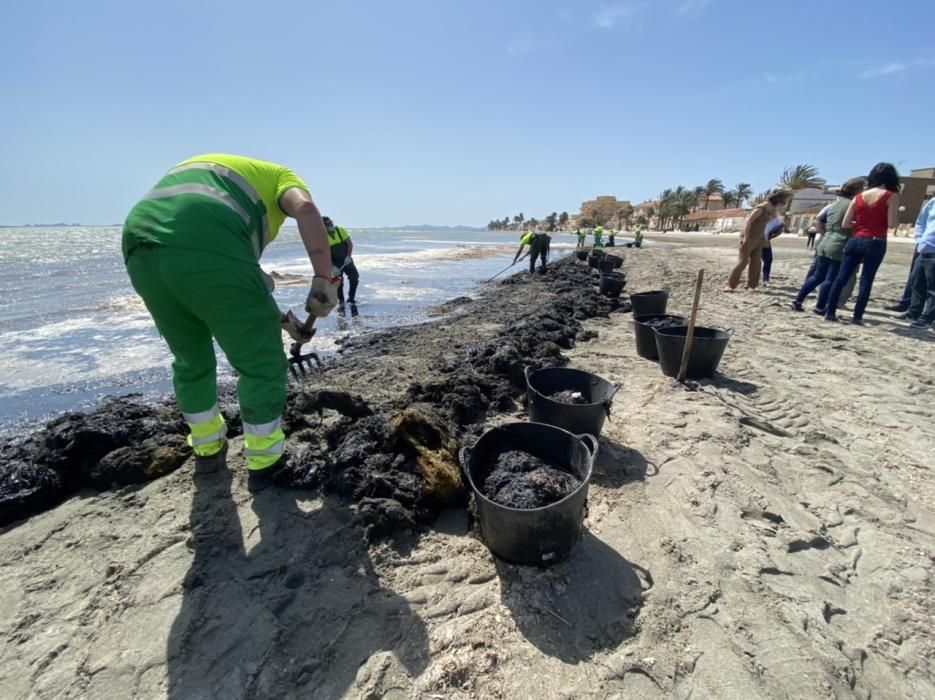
(690, 335)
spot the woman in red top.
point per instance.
(871, 214)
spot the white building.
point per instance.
(810, 197)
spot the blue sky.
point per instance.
(449, 112)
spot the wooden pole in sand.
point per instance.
(690, 335)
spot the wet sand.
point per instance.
(770, 533)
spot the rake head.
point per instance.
(301, 365)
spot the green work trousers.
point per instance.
(195, 297)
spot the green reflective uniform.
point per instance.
(192, 247)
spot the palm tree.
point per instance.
(624, 212)
(533, 222)
(699, 193)
(743, 190)
(730, 198)
(518, 219)
(714, 186)
(760, 198)
(665, 207)
(563, 219)
(684, 204)
(550, 221)
(800, 177)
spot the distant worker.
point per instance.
(538, 248)
(610, 238)
(638, 238)
(192, 247)
(582, 238)
(599, 237)
(342, 248)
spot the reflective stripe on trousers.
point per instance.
(263, 443)
(208, 431)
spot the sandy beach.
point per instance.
(769, 533)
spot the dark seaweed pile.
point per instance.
(520, 480)
(670, 322)
(396, 463)
(490, 376)
(568, 396)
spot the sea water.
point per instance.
(72, 330)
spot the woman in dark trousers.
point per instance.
(830, 248)
(774, 229)
(870, 215)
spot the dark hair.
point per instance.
(884, 175)
(778, 197)
(853, 187)
(327, 219)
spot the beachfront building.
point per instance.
(716, 220)
(715, 202)
(809, 198)
(603, 210)
(645, 209)
(917, 188)
(801, 220)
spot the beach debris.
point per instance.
(395, 460)
(568, 396)
(521, 480)
(122, 441)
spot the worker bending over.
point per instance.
(342, 248)
(538, 248)
(192, 248)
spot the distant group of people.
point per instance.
(851, 238)
(597, 234)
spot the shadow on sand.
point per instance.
(589, 602)
(579, 607)
(291, 609)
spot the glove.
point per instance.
(323, 296)
(291, 325)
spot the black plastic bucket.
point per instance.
(606, 264)
(707, 349)
(593, 261)
(575, 418)
(612, 283)
(646, 335)
(646, 303)
(537, 536)
(618, 261)
(598, 252)
(582, 254)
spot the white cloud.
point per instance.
(610, 16)
(692, 7)
(886, 69)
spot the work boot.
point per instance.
(212, 463)
(261, 479)
(905, 317)
(897, 306)
(796, 306)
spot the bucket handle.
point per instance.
(729, 331)
(463, 459)
(609, 401)
(590, 442)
